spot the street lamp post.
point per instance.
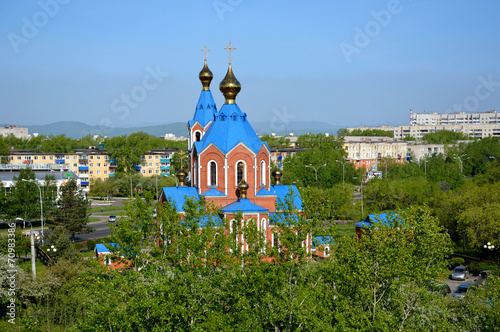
(315, 169)
(41, 204)
(460, 163)
(343, 169)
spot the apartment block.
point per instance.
(90, 164)
(367, 151)
(419, 131)
(458, 118)
(20, 132)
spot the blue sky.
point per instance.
(349, 63)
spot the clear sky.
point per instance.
(126, 63)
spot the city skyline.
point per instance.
(362, 63)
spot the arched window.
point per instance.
(327, 252)
(240, 172)
(263, 173)
(213, 174)
(197, 136)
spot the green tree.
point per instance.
(24, 199)
(445, 137)
(72, 212)
(380, 280)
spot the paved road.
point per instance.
(101, 228)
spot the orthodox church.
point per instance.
(228, 163)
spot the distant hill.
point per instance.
(76, 129)
(295, 127)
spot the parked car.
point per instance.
(460, 291)
(438, 287)
(111, 218)
(459, 273)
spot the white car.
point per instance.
(459, 273)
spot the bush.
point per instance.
(455, 261)
(476, 267)
(91, 244)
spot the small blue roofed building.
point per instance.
(228, 163)
(372, 220)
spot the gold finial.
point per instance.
(181, 154)
(182, 175)
(229, 48)
(230, 85)
(243, 187)
(277, 173)
(205, 50)
(206, 75)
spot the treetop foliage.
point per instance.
(365, 132)
(445, 137)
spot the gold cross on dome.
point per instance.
(205, 50)
(229, 48)
(181, 155)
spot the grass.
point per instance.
(106, 209)
(26, 266)
(92, 219)
(348, 229)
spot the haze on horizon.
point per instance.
(347, 63)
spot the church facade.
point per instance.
(228, 163)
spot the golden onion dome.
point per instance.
(230, 86)
(277, 173)
(182, 175)
(206, 77)
(243, 187)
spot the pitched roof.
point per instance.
(264, 192)
(212, 192)
(179, 195)
(283, 217)
(101, 249)
(318, 241)
(205, 109)
(244, 205)
(228, 129)
(385, 219)
(281, 191)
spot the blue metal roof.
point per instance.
(244, 205)
(179, 194)
(101, 248)
(283, 217)
(264, 192)
(281, 191)
(322, 240)
(228, 129)
(205, 109)
(213, 192)
(385, 219)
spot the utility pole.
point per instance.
(343, 170)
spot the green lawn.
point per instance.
(348, 229)
(106, 208)
(26, 266)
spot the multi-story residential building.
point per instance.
(90, 164)
(20, 132)
(421, 150)
(458, 118)
(61, 173)
(419, 131)
(366, 151)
